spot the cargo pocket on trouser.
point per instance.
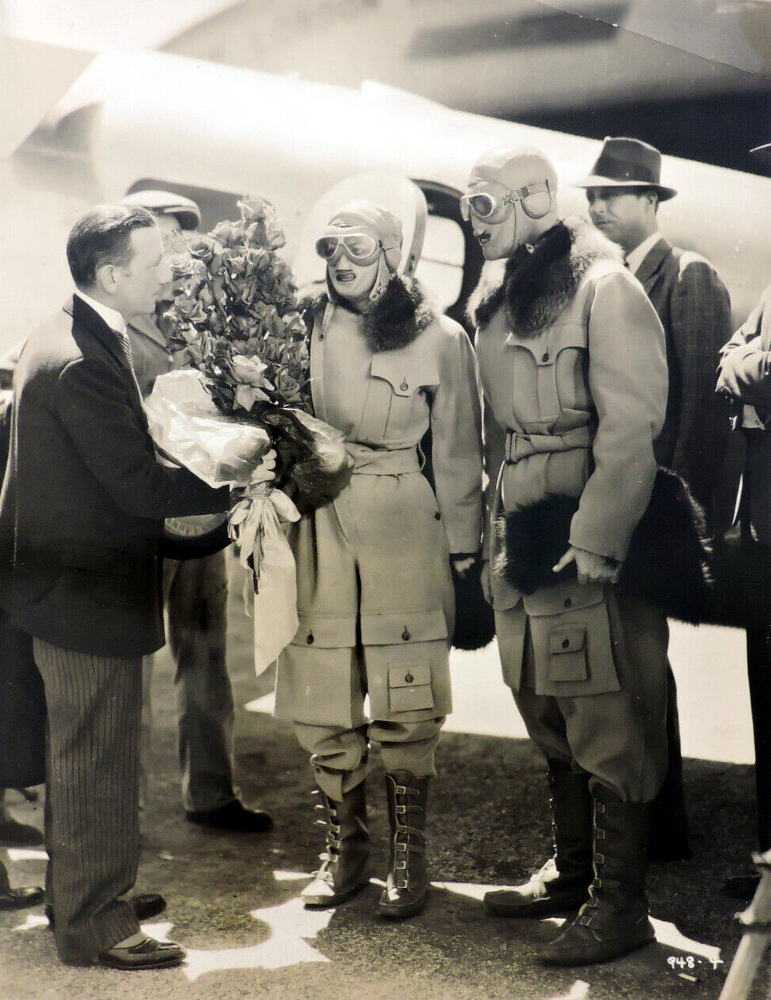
(318, 678)
(407, 666)
(571, 640)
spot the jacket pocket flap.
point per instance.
(564, 597)
(327, 633)
(567, 640)
(405, 374)
(408, 674)
(397, 628)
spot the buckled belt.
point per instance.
(374, 462)
(520, 445)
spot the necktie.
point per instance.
(125, 343)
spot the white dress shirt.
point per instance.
(112, 317)
(635, 257)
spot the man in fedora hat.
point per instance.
(624, 191)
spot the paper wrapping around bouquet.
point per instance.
(186, 425)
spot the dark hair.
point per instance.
(103, 236)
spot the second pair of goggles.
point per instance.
(494, 209)
(361, 248)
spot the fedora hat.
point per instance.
(628, 163)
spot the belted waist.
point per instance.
(381, 462)
(520, 445)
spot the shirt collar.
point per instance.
(635, 257)
(111, 317)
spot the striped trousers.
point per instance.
(92, 796)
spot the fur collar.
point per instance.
(538, 280)
(394, 320)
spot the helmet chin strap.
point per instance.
(382, 277)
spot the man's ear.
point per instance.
(107, 279)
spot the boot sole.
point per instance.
(602, 952)
(543, 907)
(400, 912)
(325, 902)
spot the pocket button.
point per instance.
(409, 678)
(406, 634)
(309, 639)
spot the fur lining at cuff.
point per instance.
(668, 560)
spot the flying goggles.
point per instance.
(361, 248)
(495, 209)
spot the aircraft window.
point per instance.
(526, 31)
(441, 264)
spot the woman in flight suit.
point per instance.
(573, 368)
(375, 596)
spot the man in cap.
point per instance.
(624, 192)
(573, 368)
(195, 592)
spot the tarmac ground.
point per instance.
(233, 899)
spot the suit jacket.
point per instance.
(83, 500)
(695, 310)
(148, 347)
(745, 375)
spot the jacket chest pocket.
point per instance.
(396, 407)
(550, 379)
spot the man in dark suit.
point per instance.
(624, 192)
(81, 513)
(745, 376)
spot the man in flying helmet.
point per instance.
(573, 368)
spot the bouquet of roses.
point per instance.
(236, 325)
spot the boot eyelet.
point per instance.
(402, 864)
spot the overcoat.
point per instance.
(372, 567)
(694, 307)
(573, 369)
(83, 499)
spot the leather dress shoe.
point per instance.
(148, 954)
(17, 899)
(145, 905)
(15, 834)
(232, 816)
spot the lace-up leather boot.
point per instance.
(563, 882)
(407, 882)
(346, 851)
(614, 921)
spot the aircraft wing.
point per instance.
(35, 76)
(733, 32)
